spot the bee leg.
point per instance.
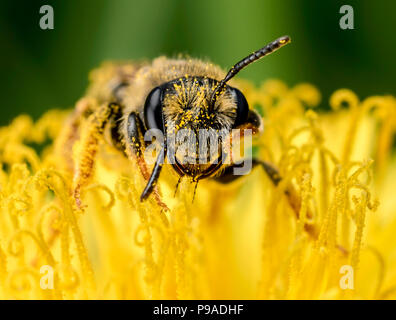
(70, 132)
(88, 147)
(229, 176)
(116, 139)
(275, 177)
(136, 131)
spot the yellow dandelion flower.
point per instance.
(331, 237)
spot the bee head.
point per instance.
(183, 109)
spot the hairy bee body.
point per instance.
(175, 97)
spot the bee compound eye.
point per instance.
(153, 110)
(242, 107)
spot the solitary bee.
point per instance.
(168, 95)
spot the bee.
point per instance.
(167, 95)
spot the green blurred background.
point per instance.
(42, 69)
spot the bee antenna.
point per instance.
(177, 185)
(266, 50)
(195, 191)
(157, 166)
